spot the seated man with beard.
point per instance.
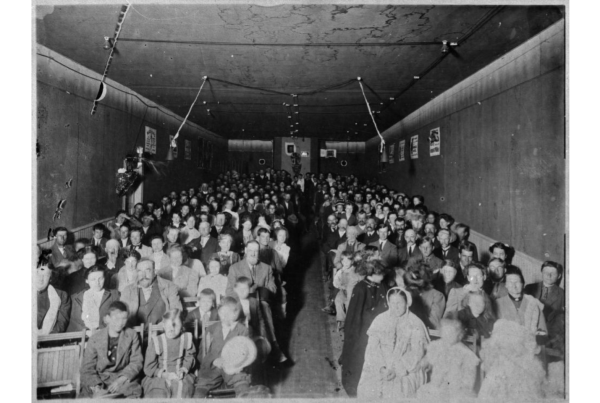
(149, 298)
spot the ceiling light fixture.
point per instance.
(445, 47)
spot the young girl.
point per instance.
(169, 360)
(341, 281)
(215, 280)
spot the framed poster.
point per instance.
(188, 149)
(434, 142)
(414, 147)
(171, 136)
(150, 145)
(391, 149)
(290, 148)
(401, 150)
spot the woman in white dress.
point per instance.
(396, 346)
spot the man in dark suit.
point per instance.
(98, 239)
(410, 250)
(387, 250)
(445, 282)
(149, 228)
(289, 205)
(60, 250)
(549, 293)
(463, 232)
(348, 214)
(465, 258)
(397, 236)
(330, 238)
(205, 245)
(221, 226)
(446, 251)
(261, 180)
(124, 241)
(370, 235)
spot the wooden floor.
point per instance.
(306, 334)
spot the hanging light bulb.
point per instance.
(107, 44)
(384, 158)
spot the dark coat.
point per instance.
(453, 254)
(76, 323)
(58, 257)
(63, 314)
(403, 254)
(555, 300)
(96, 367)
(366, 302)
(217, 342)
(366, 239)
(389, 254)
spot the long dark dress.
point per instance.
(367, 301)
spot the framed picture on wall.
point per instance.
(414, 147)
(434, 142)
(401, 150)
(150, 144)
(290, 148)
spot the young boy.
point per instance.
(206, 310)
(113, 358)
(169, 360)
(211, 372)
(340, 281)
(251, 316)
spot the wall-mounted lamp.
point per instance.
(107, 43)
(445, 47)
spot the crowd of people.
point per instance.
(396, 272)
(400, 274)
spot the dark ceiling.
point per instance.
(165, 50)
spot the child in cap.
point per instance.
(169, 360)
(113, 357)
(212, 374)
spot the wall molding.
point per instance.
(530, 266)
(84, 231)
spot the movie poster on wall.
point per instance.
(188, 150)
(150, 146)
(391, 149)
(414, 147)
(401, 150)
(175, 152)
(434, 142)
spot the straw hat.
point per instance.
(238, 353)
